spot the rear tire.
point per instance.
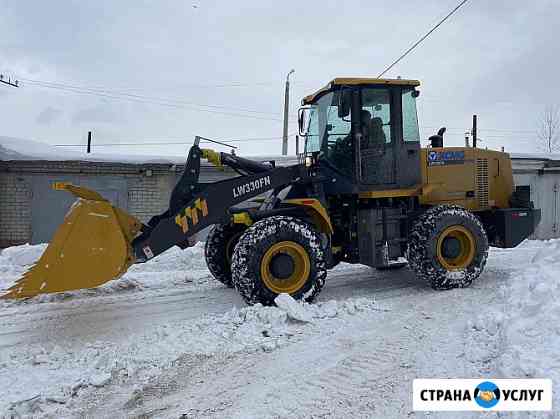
(219, 250)
(447, 247)
(279, 255)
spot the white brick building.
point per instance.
(30, 210)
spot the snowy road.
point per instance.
(166, 341)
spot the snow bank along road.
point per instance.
(167, 341)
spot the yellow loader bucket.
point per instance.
(91, 247)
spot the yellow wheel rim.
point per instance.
(463, 243)
(301, 267)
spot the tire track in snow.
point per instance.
(308, 376)
(210, 387)
(331, 376)
(324, 373)
(112, 316)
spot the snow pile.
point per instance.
(20, 257)
(170, 269)
(175, 266)
(532, 329)
(14, 261)
(49, 381)
(522, 339)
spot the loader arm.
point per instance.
(195, 206)
(98, 242)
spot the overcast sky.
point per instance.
(167, 70)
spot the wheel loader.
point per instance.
(364, 191)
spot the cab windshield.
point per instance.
(329, 134)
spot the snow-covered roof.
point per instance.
(12, 148)
(535, 156)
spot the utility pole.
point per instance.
(88, 142)
(286, 110)
(474, 131)
(9, 82)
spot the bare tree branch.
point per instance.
(548, 132)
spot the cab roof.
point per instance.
(352, 81)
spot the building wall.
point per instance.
(15, 210)
(148, 196)
(142, 190)
(545, 194)
(148, 187)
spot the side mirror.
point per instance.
(415, 93)
(344, 100)
(301, 112)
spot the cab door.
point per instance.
(375, 141)
(389, 144)
(408, 171)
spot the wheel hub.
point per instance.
(451, 248)
(285, 267)
(282, 266)
(456, 248)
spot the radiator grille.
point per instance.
(482, 182)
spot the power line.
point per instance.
(422, 38)
(176, 103)
(189, 86)
(496, 138)
(499, 130)
(9, 82)
(239, 140)
(105, 91)
(138, 144)
(155, 101)
(201, 86)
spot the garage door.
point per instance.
(49, 206)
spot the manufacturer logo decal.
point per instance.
(442, 158)
(191, 213)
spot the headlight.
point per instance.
(308, 161)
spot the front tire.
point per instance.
(279, 255)
(218, 250)
(447, 247)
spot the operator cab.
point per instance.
(366, 131)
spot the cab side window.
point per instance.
(376, 148)
(376, 118)
(337, 136)
(409, 117)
